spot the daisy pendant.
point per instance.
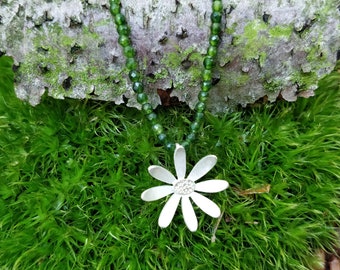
(184, 189)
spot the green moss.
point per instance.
(231, 30)
(262, 58)
(158, 75)
(103, 22)
(52, 57)
(257, 37)
(315, 56)
(252, 39)
(273, 86)
(196, 69)
(305, 80)
(162, 74)
(234, 79)
(191, 76)
(73, 171)
(174, 60)
(317, 60)
(252, 29)
(280, 31)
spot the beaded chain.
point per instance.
(135, 76)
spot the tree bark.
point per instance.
(268, 49)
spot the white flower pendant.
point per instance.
(183, 188)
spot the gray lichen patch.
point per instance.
(71, 65)
(268, 48)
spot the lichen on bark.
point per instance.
(269, 48)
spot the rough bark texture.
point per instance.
(269, 48)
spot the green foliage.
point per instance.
(71, 175)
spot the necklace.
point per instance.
(181, 188)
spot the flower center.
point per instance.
(184, 187)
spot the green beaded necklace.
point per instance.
(182, 188)
(135, 76)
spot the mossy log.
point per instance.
(268, 49)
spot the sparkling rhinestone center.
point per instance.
(184, 187)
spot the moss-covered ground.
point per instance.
(72, 171)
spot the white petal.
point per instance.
(168, 211)
(212, 186)
(189, 214)
(202, 167)
(161, 174)
(180, 161)
(206, 205)
(155, 193)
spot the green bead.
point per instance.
(114, 9)
(195, 126)
(208, 62)
(199, 116)
(152, 117)
(203, 96)
(134, 75)
(216, 17)
(170, 146)
(114, 2)
(131, 63)
(185, 144)
(200, 106)
(206, 75)
(162, 137)
(215, 28)
(142, 98)
(123, 30)
(129, 51)
(120, 19)
(191, 137)
(212, 51)
(157, 128)
(214, 40)
(217, 6)
(137, 87)
(147, 108)
(124, 41)
(206, 86)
